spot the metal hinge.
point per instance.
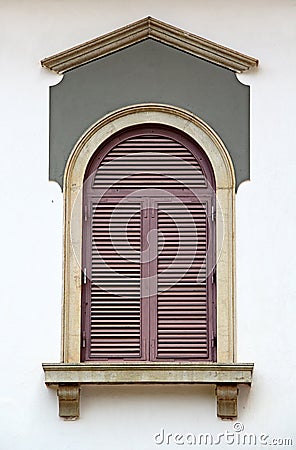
(83, 339)
(213, 214)
(214, 277)
(85, 213)
(84, 276)
(213, 340)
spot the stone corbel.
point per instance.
(69, 399)
(227, 401)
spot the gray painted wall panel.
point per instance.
(149, 72)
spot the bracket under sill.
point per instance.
(67, 379)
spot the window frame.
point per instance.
(222, 166)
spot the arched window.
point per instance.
(148, 252)
(149, 263)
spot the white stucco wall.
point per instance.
(31, 228)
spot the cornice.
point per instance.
(144, 29)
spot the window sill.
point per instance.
(67, 378)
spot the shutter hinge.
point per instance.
(84, 276)
(214, 277)
(83, 339)
(213, 340)
(85, 213)
(213, 214)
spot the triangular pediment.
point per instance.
(148, 28)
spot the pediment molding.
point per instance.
(148, 28)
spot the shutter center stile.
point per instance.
(147, 250)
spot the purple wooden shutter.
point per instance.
(148, 249)
(115, 270)
(183, 285)
(150, 162)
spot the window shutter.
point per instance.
(149, 162)
(183, 291)
(148, 250)
(114, 288)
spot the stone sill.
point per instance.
(159, 373)
(68, 377)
